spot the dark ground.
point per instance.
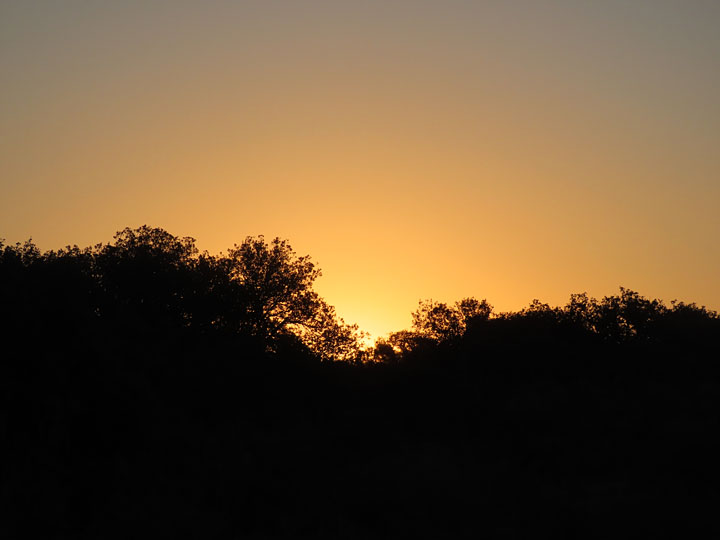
(212, 442)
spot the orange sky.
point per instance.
(506, 150)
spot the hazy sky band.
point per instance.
(507, 150)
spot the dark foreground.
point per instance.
(138, 399)
(212, 442)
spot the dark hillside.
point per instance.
(149, 390)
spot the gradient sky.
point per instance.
(508, 150)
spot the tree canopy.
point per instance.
(149, 280)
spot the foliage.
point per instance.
(276, 286)
(275, 291)
(147, 281)
(440, 322)
(330, 337)
(616, 319)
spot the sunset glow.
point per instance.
(503, 150)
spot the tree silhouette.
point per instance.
(147, 281)
(276, 286)
(440, 322)
(147, 276)
(275, 291)
(329, 336)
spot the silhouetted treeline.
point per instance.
(150, 390)
(627, 321)
(148, 283)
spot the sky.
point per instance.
(506, 150)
